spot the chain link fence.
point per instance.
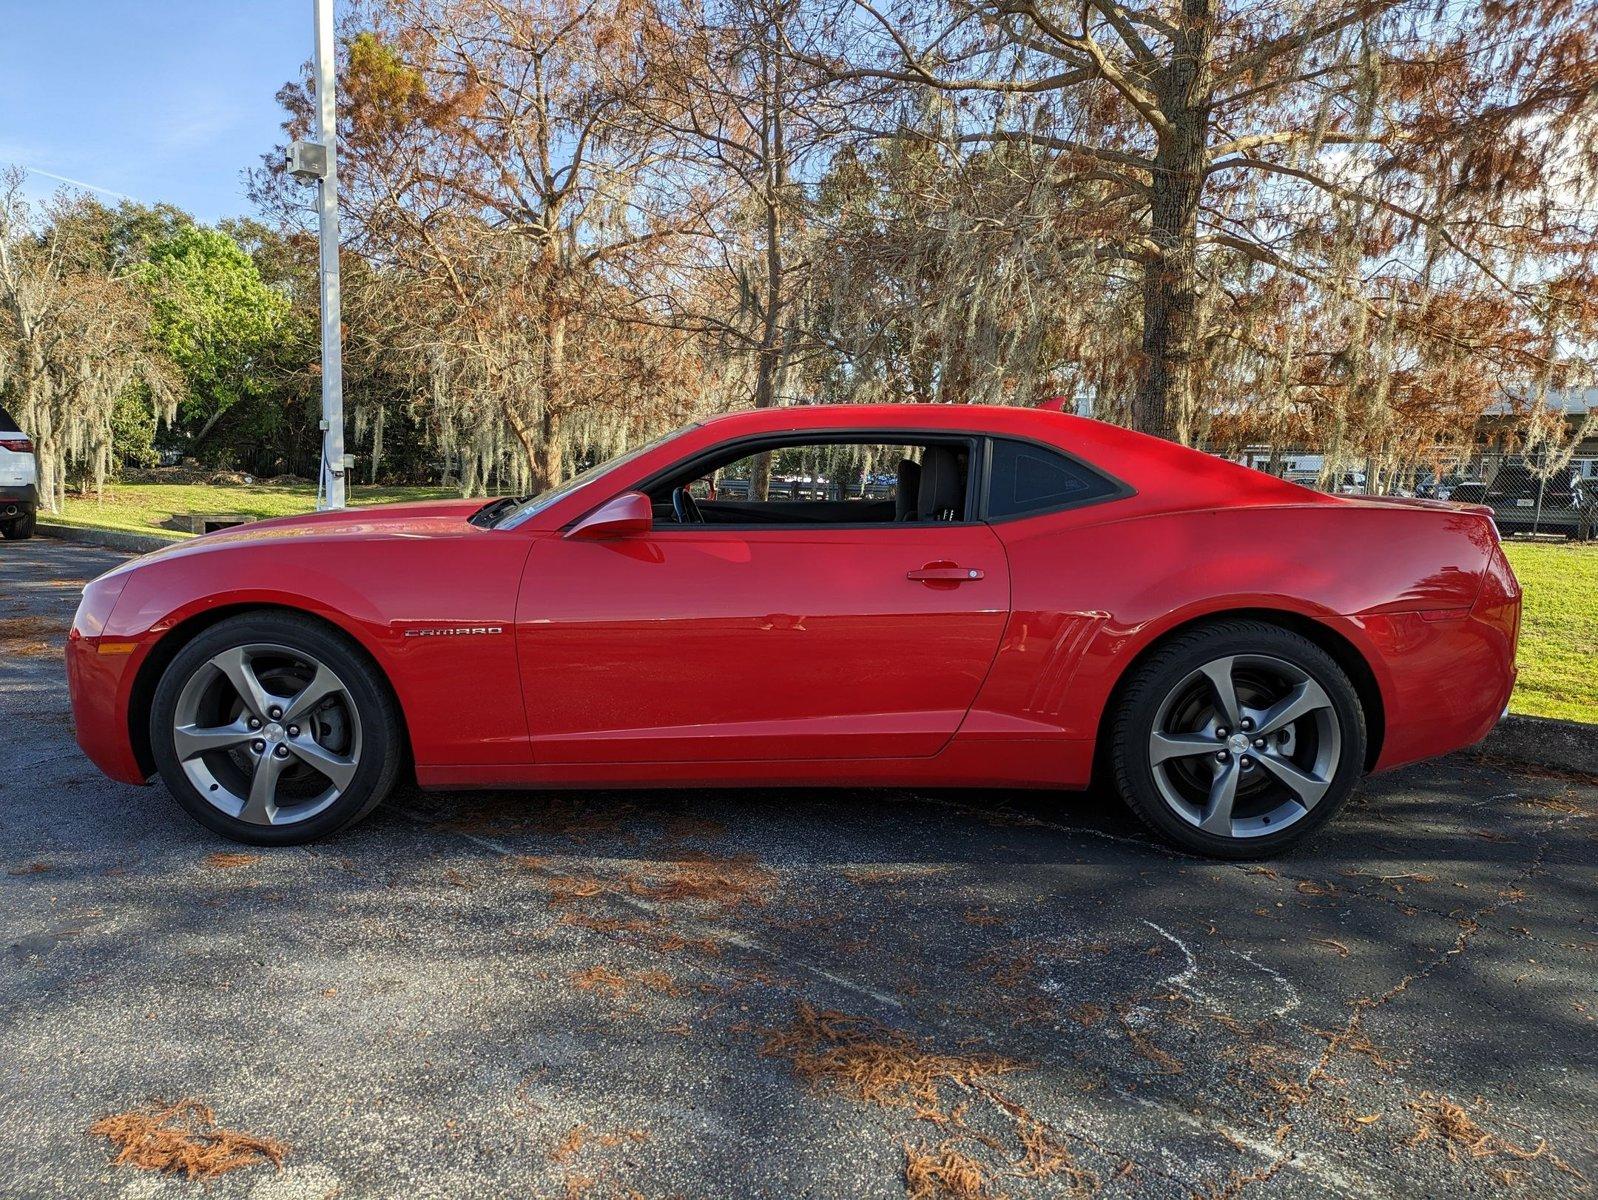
(1527, 495)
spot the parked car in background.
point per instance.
(1524, 501)
(1467, 491)
(1041, 601)
(1444, 487)
(19, 481)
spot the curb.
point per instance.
(110, 539)
(1566, 746)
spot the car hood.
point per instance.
(423, 519)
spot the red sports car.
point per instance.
(860, 595)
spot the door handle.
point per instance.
(944, 573)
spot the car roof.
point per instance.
(1165, 473)
(978, 417)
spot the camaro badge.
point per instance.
(455, 631)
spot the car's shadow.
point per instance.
(1455, 812)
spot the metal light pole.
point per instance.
(318, 160)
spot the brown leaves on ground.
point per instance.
(1439, 1117)
(1354, 1040)
(576, 1137)
(727, 882)
(1043, 1156)
(183, 1138)
(229, 860)
(1146, 1048)
(26, 629)
(1238, 1181)
(945, 1174)
(872, 1061)
(614, 983)
(1087, 1014)
(579, 1136)
(565, 889)
(29, 637)
(878, 1064)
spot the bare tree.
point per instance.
(74, 338)
(1394, 145)
(499, 162)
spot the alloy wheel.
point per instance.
(1245, 745)
(267, 734)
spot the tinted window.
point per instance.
(822, 483)
(7, 425)
(1026, 478)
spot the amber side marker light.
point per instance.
(116, 647)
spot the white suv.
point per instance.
(19, 481)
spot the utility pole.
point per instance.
(318, 160)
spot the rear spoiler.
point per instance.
(1480, 510)
(1438, 505)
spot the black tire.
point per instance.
(19, 529)
(376, 743)
(1156, 793)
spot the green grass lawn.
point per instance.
(1558, 633)
(1558, 629)
(148, 506)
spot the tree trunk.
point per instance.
(551, 452)
(550, 465)
(524, 437)
(1165, 399)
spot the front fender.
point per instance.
(461, 696)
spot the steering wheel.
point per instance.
(685, 507)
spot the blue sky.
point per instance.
(156, 99)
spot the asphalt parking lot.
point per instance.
(789, 994)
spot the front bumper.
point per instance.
(100, 675)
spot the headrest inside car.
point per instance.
(908, 493)
(942, 495)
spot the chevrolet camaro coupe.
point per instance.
(872, 595)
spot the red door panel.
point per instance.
(715, 645)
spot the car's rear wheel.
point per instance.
(1238, 739)
(19, 528)
(273, 729)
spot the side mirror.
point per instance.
(628, 515)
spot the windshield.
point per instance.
(534, 505)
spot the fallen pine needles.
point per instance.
(183, 1137)
(872, 1061)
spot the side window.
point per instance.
(1027, 478)
(823, 483)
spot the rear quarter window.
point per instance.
(7, 425)
(1027, 478)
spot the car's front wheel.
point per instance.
(273, 729)
(1238, 739)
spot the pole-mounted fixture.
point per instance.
(318, 161)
